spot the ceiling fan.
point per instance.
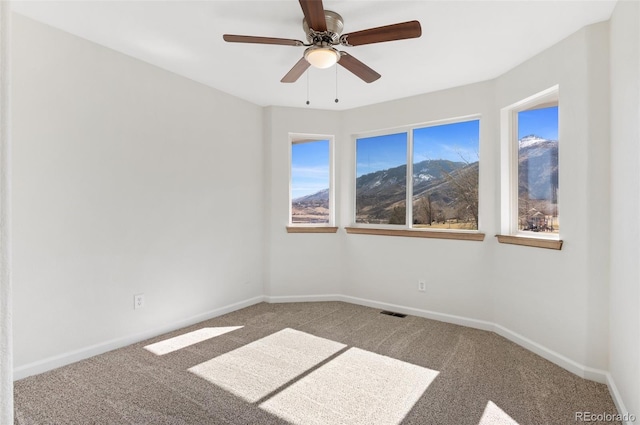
(324, 31)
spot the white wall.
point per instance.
(298, 264)
(127, 179)
(556, 299)
(388, 268)
(6, 305)
(559, 298)
(625, 203)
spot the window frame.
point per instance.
(377, 133)
(408, 228)
(330, 226)
(509, 169)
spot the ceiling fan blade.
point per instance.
(361, 70)
(402, 31)
(231, 38)
(298, 69)
(314, 14)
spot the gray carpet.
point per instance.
(334, 362)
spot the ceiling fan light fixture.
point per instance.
(322, 57)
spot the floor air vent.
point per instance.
(392, 313)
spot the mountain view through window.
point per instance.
(310, 178)
(444, 185)
(381, 183)
(538, 170)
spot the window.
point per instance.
(445, 176)
(538, 170)
(530, 167)
(424, 177)
(311, 184)
(381, 183)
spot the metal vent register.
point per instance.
(393, 313)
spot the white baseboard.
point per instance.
(303, 298)
(564, 362)
(560, 360)
(556, 358)
(442, 317)
(617, 399)
(63, 359)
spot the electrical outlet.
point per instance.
(138, 301)
(422, 285)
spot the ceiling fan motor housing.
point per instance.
(335, 25)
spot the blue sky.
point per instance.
(309, 167)
(455, 142)
(542, 122)
(380, 152)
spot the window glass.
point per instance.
(538, 170)
(445, 176)
(310, 182)
(381, 179)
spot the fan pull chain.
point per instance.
(308, 87)
(336, 65)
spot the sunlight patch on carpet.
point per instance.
(259, 368)
(357, 387)
(185, 340)
(493, 415)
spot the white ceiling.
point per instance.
(462, 42)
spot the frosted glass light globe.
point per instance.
(322, 57)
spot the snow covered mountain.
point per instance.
(538, 167)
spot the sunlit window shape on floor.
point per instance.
(356, 387)
(493, 415)
(257, 369)
(181, 341)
